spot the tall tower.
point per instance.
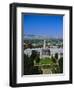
(44, 44)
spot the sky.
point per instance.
(43, 25)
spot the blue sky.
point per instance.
(43, 25)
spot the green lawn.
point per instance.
(46, 61)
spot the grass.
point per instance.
(46, 61)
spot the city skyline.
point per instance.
(43, 25)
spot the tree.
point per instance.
(55, 68)
(35, 57)
(61, 65)
(56, 56)
(55, 65)
(27, 65)
(30, 45)
(53, 59)
(36, 70)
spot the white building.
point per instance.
(45, 52)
